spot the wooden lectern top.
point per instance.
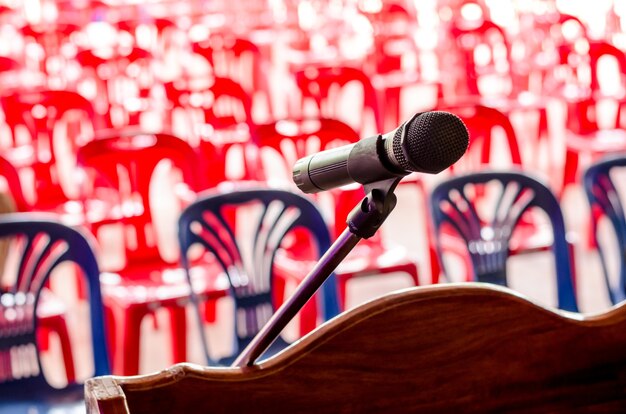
(446, 348)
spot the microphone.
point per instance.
(429, 142)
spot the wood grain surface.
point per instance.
(446, 348)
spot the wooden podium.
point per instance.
(445, 348)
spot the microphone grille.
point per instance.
(432, 142)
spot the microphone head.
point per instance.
(430, 142)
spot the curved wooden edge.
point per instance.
(106, 394)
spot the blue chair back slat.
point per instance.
(45, 245)
(604, 201)
(453, 203)
(251, 277)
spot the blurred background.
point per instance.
(118, 115)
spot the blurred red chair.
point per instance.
(49, 151)
(486, 72)
(294, 139)
(395, 60)
(221, 104)
(227, 153)
(146, 280)
(119, 81)
(554, 33)
(150, 33)
(94, 77)
(589, 132)
(483, 124)
(323, 86)
(241, 60)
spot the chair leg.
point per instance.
(128, 327)
(392, 108)
(58, 325)
(111, 331)
(178, 330)
(43, 337)
(210, 310)
(342, 290)
(570, 170)
(414, 273)
(66, 348)
(278, 289)
(308, 316)
(435, 266)
(572, 255)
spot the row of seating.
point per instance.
(117, 171)
(45, 243)
(316, 82)
(111, 192)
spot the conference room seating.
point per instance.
(224, 76)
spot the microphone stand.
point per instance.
(363, 222)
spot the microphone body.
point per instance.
(361, 162)
(428, 142)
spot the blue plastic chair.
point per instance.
(453, 203)
(42, 245)
(604, 201)
(211, 223)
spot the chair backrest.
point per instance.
(233, 57)
(215, 222)
(604, 200)
(436, 349)
(483, 49)
(53, 153)
(41, 244)
(39, 111)
(127, 164)
(223, 103)
(322, 84)
(583, 112)
(487, 231)
(295, 139)
(584, 61)
(481, 122)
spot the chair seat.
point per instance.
(141, 289)
(140, 284)
(395, 79)
(601, 141)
